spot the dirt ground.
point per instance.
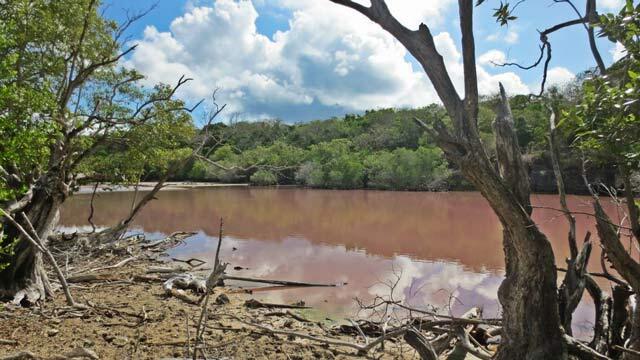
(134, 319)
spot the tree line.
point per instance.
(384, 149)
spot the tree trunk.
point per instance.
(634, 339)
(25, 279)
(528, 295)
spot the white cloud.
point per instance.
(559, 76)
(488, 84)
(409, 12)
(618, 52)
(492, 57)
(610, 5)
(329, 57)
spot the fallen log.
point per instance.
(166, 269)
(288, 313)
(416, 340)
(278, 282)
(80, 278)
(255, 304)
(176, 236)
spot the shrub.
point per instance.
(263, 178)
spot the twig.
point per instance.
(362, 349)
(117, 265)
(624, 349)
(583, 351)
(212, 281)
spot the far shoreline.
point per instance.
(190, 185)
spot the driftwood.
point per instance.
(180, 294)
(290, 314)
(416, 340)
(362, 349)
(185, 282)
(174, 237)
(166, 269)
(81, 278)
(278, 282)
(255, 304)
(582, 351)
(22, 355)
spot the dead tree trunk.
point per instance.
(528, 295)
(530, 284)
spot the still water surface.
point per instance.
(445, 247)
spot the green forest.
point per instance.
(379, 149)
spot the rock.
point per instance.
(87, 343)
(108, 337)
(120, 341)
(222, 299)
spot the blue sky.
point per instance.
(298, 60)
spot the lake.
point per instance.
(439, 249)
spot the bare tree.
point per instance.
(532, 328)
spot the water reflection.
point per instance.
(443, 246)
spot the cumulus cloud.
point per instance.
(492, 57)
(618, 52)
(559, 76)
(328, 58)
(610, 5)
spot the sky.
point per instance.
(299, 60)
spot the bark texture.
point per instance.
(25, 280)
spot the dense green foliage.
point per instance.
(69, 111)
(381, 149)
(61, 88)
(606, 122)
